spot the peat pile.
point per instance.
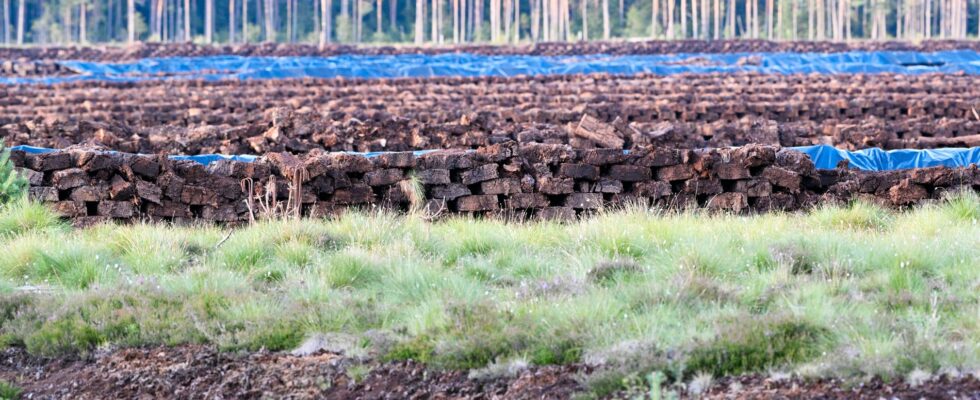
(548, 181)
(24, 67)
(302, 132)
(198, 372)
(193, 372)
(145, 50)
(910, 106)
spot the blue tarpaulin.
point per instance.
(461, 64)
(827, 157)
(823, 156)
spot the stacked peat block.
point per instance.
(549, 181)
(90, 186)
(143, 50)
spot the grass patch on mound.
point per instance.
(840, 291)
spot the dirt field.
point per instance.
(196, 372)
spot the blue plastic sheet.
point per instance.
(827, 157)
(462, 64)
(823, 156)
(204, 159)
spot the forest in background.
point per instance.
(41, 22)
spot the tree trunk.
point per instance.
(654, 18)
(606, 32)
(187, 21)
(419, 21)
(244, 21)
(380, 16)
(683, 19)
(508, 20)
(517, 21)
(769, 19)
(670, 19)
(6, 21)
(82, 22)
(393, 15)
(731, 19)
(795, 14)
(705, 18)
(695, 27)
(231, 21)
(208, 21)
(717, 19)
(110, 20)
(478, 20)
(289, 21)
(434, 22)
(130, 20)
(535, 15)
(585, 19)
(928, 27)
(819, 19)
(20, 21)
(66, 21)
(270, 26)
(326, 22)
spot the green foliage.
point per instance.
(638, 19)
(418, 349)
(23, 216)
(753, 345)
(851, 291)
(64, 335)
(963, 205)
(607, 272)
(859, 215)
(12, 185)
(8, 391)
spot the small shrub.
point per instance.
(8, 391)
(418, 349)
(12, 185)
(64, 336)
(358, 372)
(795, 256)
(756, 345)
(611, 271)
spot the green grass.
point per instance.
(841, 291)
(9, 391)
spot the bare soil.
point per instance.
(192, 372)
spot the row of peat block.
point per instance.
(529, 180)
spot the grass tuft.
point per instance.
(8, 391)
(754, 345)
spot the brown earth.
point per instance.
(641, 99)
(143, 50)
(192, 372)
(691, 111)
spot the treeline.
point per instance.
(458, 21)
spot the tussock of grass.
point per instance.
(8, 391)
(848, 291)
